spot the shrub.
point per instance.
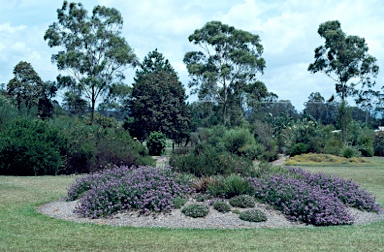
(206, 161)
(253, 215)
(298, 149)
(348, 191)
(179, 202)
(196, 210)
(90, 148)
(349, 152)
(365, 143)
(229, 186)
(156, 143)
(221, 207)
(300, 201)
(31, 147)
(202, 184)
(333, 146)
(236, 211)
(201, 197)
(236, 139)
(145, 188)
(312, 158)
(378, 144)
(243, 201)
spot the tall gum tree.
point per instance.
(93, 51)
(27, 89)
(344, 59)
(227, 63)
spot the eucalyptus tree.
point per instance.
(28, 90)
(344, 59)
(92, 49)
(228, 62)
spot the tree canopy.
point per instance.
(93, 51)
(158, 100)
(28, 90)
(228, 63)
(344, 59)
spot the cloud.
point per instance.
(287, 28)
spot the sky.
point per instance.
(288, 32)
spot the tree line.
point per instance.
(223, 73)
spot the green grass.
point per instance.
(23, 229)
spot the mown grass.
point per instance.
(23, 229)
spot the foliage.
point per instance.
(344, 121)
(221, 206)
(344, 59)
(333, 146)
(178, 202)
(302, 202)
(253, 215)
(316, 199)
(201, 184)
(349, 152)
(379, 144)
(92, 49)
(236, 211)
(365, 142)
(243, 201)
(31, 147)
(348, 191)
(220, 151)
(298, 149)
(226, 68)
(27, 89)
(117, 100)
(196, 210)
(73, 103)
(122, 188)
(158, 101)
(230, 186)
(206, 161)
(324, 159)
(8, 111)
(156, 143)
(90, 148)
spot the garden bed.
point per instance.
(175, 219)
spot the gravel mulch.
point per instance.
(65, 210)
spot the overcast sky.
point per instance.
(288, 32)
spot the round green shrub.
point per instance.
(253, 215)
(298, 149)
(156, 143)
(201, 197)
(221, 207)
(231, 186)
(236, 211)
(196, 210)
(242, 201)
(178, 202)
(349, 152)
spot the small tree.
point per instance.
(94, 53)
(156, 143)
(158, 100)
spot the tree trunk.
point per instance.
(93, 101)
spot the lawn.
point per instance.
(23, 229)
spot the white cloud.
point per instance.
(288, 31)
